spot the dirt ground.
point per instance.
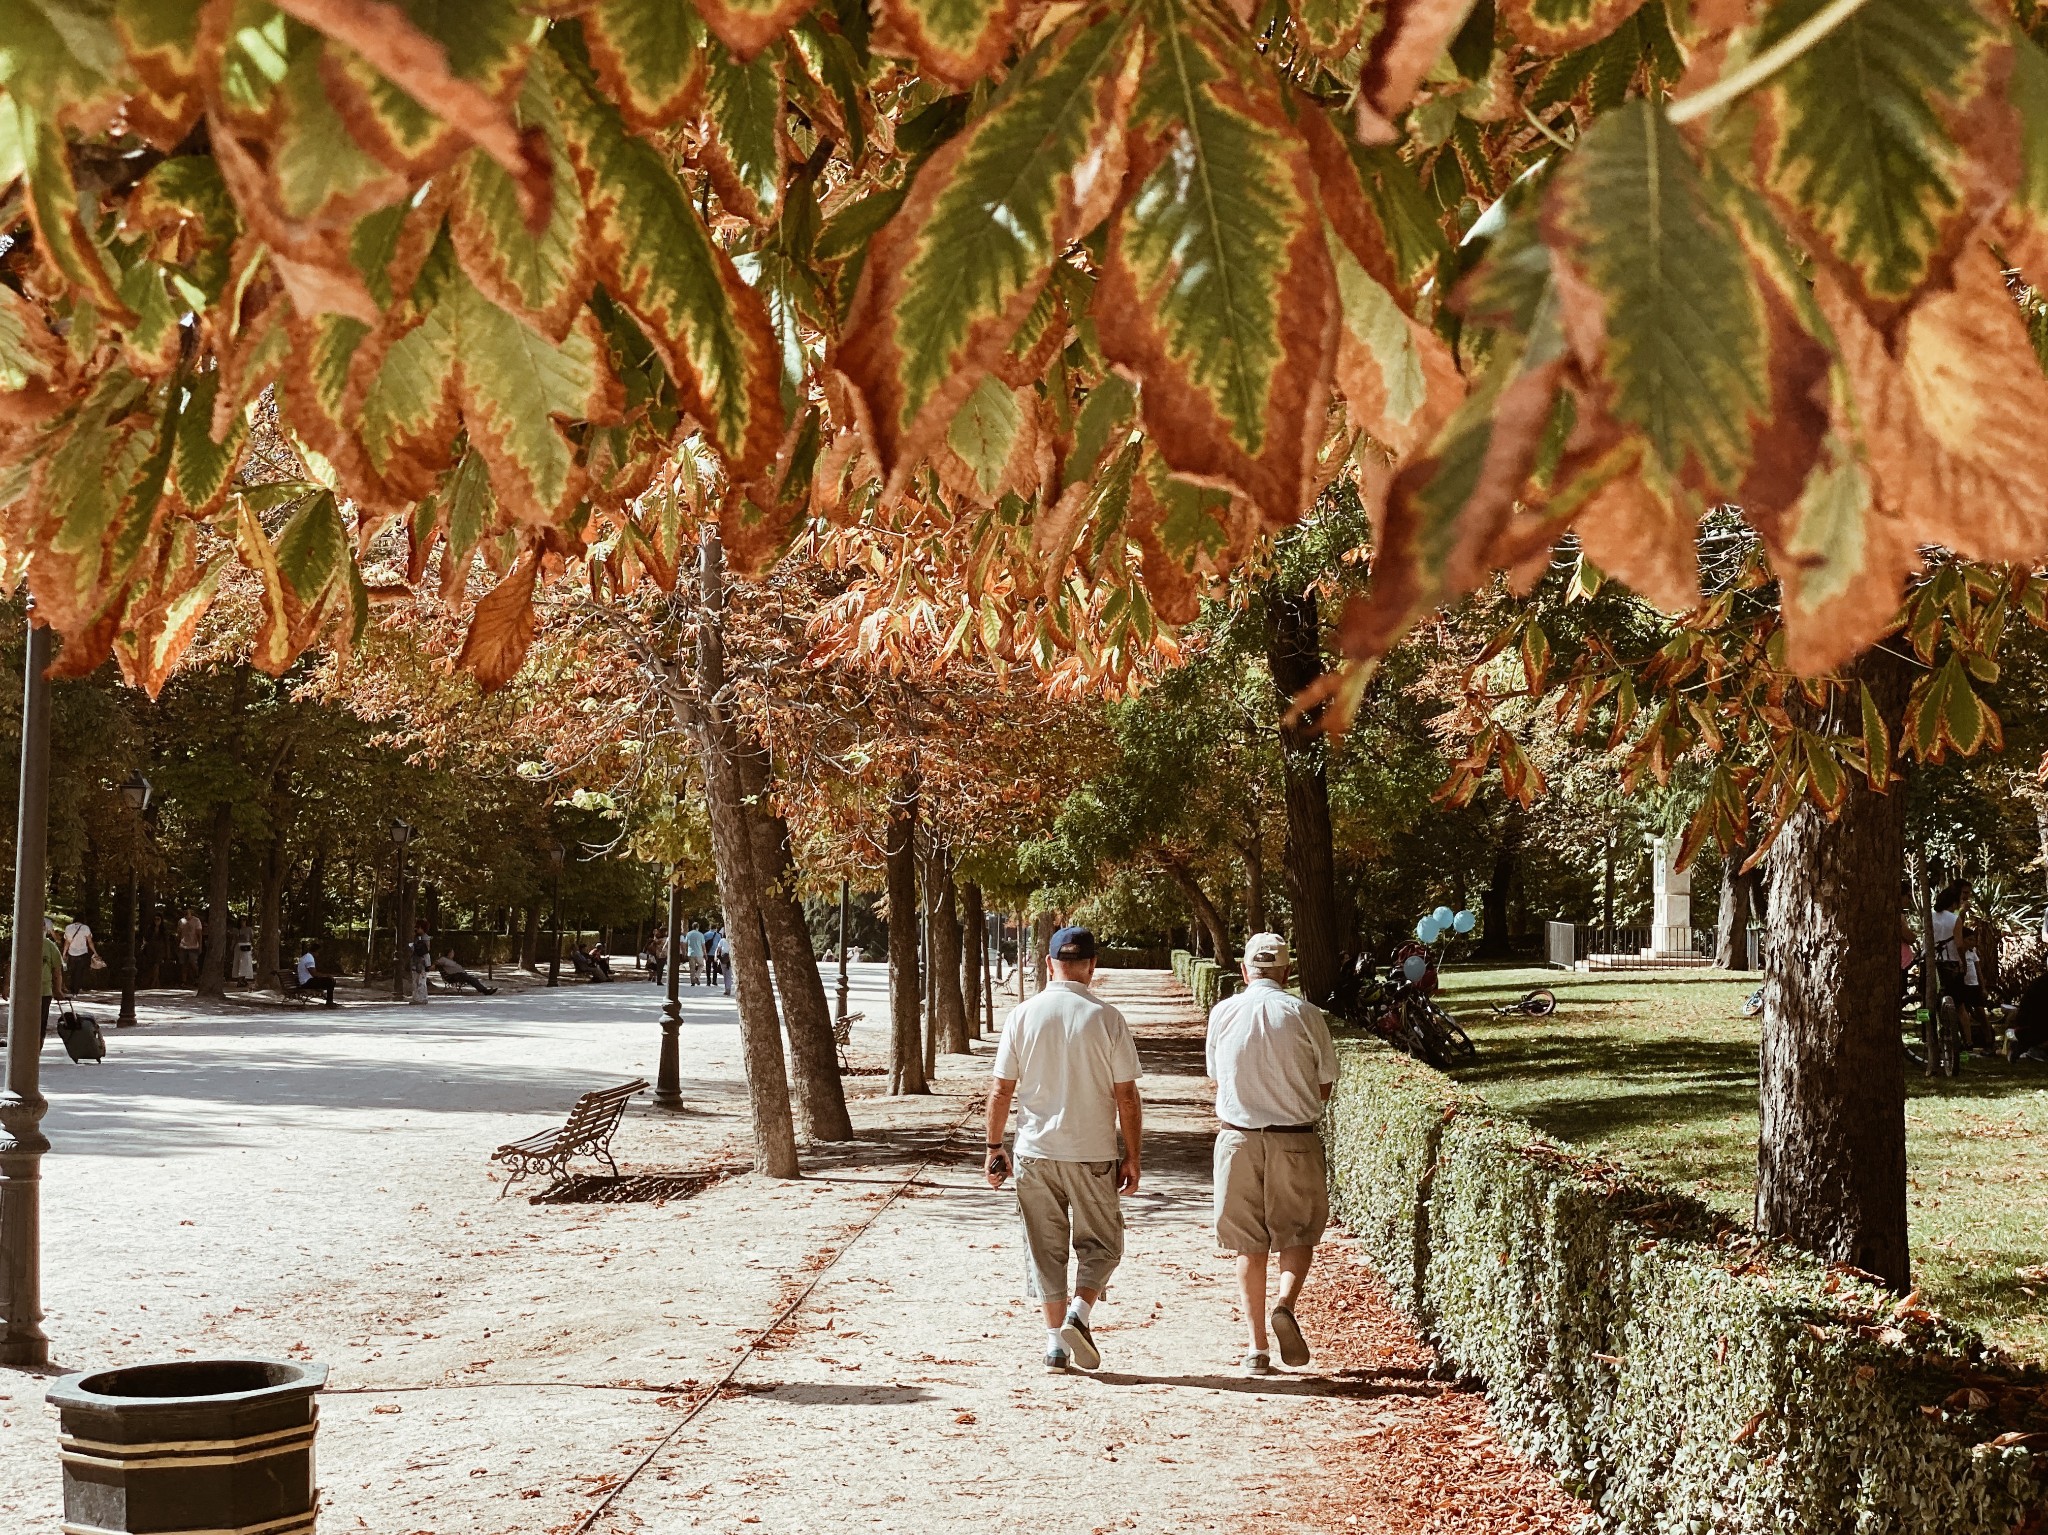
(849, 1352)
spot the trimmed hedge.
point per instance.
(1209, 982)
(1675, 1372)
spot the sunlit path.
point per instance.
(501, 1366)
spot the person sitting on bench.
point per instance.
(308, 976)
(591, 963)
(457, 977)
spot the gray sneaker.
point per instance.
(1056, 1360)
(1080, 1343)
(1257, 1362)
(1293, 1347)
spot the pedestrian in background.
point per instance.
(79, 954)
(1274, 1065)
(191, 940)
(1068, 1062)
(53, 974)
(693, 947)
(422, 955)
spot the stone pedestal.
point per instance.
(1671, 898)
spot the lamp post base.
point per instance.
(22, 1144)
(668, 1083)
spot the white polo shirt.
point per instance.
(1066, 1049)
(1270, 1054)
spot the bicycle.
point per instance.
(1537, 1002)
(1399, 1009)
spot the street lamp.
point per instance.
(839, 1016)
(556, 854)
(135, 790)
(22, 1104)
(401, 834)
(668, 1081)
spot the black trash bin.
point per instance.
(214, 1445)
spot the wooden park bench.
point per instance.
(588, 1129)
(842, 1034)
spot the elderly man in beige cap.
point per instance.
(1273, 1063)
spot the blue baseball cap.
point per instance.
(1071, 943)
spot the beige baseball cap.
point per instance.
(1265, 949)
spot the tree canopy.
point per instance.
(1088, 296)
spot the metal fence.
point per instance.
(1566, 945)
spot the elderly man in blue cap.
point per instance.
(1069, 1063)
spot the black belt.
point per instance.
(1270, 1129)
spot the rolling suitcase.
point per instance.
(81, 1034)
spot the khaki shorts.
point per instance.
(1069, 1204)
(1271, 1191)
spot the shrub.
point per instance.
(1181, 959)
(1675, 1372)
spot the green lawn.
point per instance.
(1659, 1072)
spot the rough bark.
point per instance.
(949, 1004)
(1206, 914)
(1831, 1172)
(973, 955)
(906, 994)
(1294, 653)
(1739, 899)
(529, 937)
(718, 752)
(1043, 926)
(821, 1101)
(270, 891)
(1496, 937)
(1253, 850)
(213, 963)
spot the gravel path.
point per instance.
(848, 1352)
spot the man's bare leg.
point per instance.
(1056, 1310)
(1251, 1289)
(1294, 1262)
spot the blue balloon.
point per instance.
(1415, 967)
(1427, 930)
(1465, 921)
(1442, 916)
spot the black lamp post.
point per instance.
(136, 792)
(668, 1081)
(556, 854)
(22, 1104)
(840, 1015)
(401, 834)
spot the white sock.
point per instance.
(1081, 1308)
(1053, 1339)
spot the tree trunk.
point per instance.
(213, 965)
(1738, 902)
(270, 891)
(1495, 934)
(1042, 929)
(529, 937)
(1294, 653)
(1205, 909)
(1253, 850)
(820, 1099)
(313, 897)
(973, 955)
(1831, 1160)
(718, 750)
(949, 1004)
(906, 994)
